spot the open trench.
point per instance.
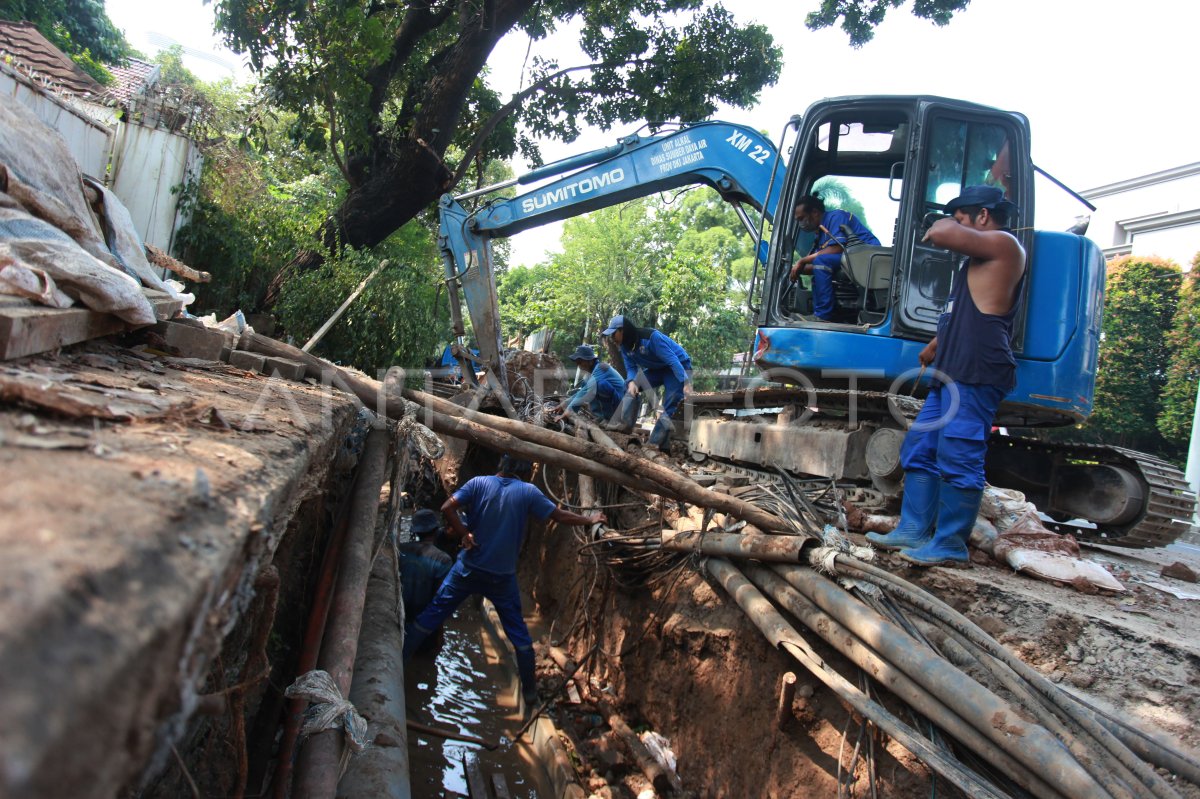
(640, 643)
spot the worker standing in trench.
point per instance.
(943, 453)
(423, 566)
(498, 508)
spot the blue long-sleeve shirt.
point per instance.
(833, 221)
(657, 351)
(601, 391)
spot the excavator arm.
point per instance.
(741, 164)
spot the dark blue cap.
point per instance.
(989, 197)
(582, 353)
(614, 324)
(424, 521)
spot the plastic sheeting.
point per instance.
(48, 236)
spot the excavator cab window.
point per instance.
(959, 151)
(855, 163)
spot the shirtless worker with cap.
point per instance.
(943, 453)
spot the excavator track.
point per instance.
(1134, 500)
(1167, 508)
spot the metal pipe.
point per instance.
(524, 439)
(1001, 723)
(782, 635)
(378, 690)
(775, 548)
(310, 649)
(946, 615)
(320, 334)
(931, 705)
(449, 735)
(317, 770)
(787, 695)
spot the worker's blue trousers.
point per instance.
(461, 583)
(949, 438)
(824, 268)
(672, 389)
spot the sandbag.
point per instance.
(22, 280)
(33, 245)
(40, 174)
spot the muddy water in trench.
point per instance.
(468, 685)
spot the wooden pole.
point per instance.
(512, 431)
(320, 334)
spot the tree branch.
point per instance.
(512, 105)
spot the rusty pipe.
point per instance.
(787, 695)
(1033, 745)
(377, 690)
(310, 649)
(782, 635)
(775, 548)
(936, 706)
(319, 764)
(521, 438)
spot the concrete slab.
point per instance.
(141, 496)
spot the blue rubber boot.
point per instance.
(957, 509)
(917, 513)
(660, 436)
(626, 415)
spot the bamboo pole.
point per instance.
(505, 433)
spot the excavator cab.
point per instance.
(892, 162)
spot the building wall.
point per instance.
(1156, 214)
(89, 141)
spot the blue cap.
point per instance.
(424, 521)
(614, 324)
(980, 197)
(582, 353)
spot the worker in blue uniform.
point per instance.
(825, 257)
(652, 359)
(943, 453)
(601, 392)
(423, 566)
(498, 508)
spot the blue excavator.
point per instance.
(832, 398)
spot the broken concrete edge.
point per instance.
(234, 598)
(155, 670)
(547, 747)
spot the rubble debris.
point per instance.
(1179, 571)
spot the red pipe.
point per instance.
(318, 767)
(314, 631)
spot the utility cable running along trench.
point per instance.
(1025, 733)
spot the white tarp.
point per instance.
(148, 164)
(89, 141)
(49, 238)
(143, 166)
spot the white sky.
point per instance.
(1109, 90)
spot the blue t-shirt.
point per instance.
(602, 390)
(497, 509)
(657, 351)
